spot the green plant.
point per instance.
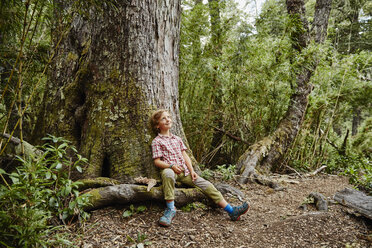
(359, 171)
(132, 210)
(194, 205)
(207, 174)
(141, 239)
(41, 193)
(227, 171)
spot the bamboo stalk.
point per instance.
(32, 92)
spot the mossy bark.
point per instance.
(268, 152)
(132, 193)
(110, 72)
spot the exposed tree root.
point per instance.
(131, 193)
(267, 181)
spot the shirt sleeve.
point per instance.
(156, 149)
(182, 145)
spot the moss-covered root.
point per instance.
(252, 158)
(97, 183)
(131, 193)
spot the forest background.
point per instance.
(235, 82)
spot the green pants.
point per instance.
(169, 180)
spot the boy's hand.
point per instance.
(177, 169)
(194, 176)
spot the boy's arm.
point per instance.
(162, 165)
(189, 165)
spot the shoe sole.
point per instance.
(249, 206)
(165, 224)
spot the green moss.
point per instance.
(95, 197)
(97, 182)
(72, 57)
(86, 44)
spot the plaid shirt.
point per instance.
(169, 150)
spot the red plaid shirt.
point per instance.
(169, 149)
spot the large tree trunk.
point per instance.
(112, 70)
(268, 152)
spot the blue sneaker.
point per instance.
(166, 219)
(239, 211)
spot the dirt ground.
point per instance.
(275, 219)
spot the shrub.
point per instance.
(41, 193)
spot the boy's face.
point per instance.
(165, 122)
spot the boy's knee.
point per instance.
(168, 173)
(202, 183)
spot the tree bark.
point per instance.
(355, 199)
(113, 69)
(268, 152)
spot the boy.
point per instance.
(169, 154)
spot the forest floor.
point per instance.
(275, 219)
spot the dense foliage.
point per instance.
(40, 195)
(253, 74)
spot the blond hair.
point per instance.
(155, 117)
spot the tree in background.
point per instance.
(350, 29)
(268, 152)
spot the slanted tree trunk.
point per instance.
(267, 152)
(110, 72)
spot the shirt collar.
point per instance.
(165, 136)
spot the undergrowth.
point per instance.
(39, 196)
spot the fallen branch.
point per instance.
(29, 150)
(356, 200)
(231, 136)
(316, 171)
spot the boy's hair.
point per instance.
(155, 119)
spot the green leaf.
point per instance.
(79, 169)
(58, 166)
(132, 208)
(141, 208)
(127, 213)
(65, 214)
(2, 171)
(63, 145)
(48, 175)
(130, 239)
(53, 202)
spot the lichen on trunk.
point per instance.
(115, 67)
